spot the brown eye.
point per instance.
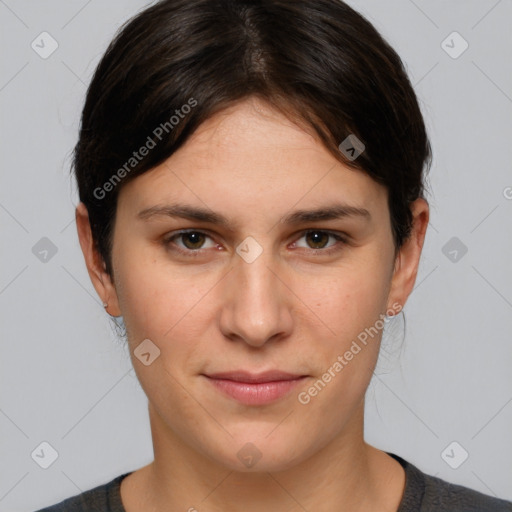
(318, 239)
(193, 239)
(188, 243)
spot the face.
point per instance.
(272, 288)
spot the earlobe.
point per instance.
(96, 267)
(408, 258)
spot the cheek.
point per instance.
(350, 306)
(154, 296)
(166, 308)
(346, 301)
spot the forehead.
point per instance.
(252, 157)
(251, 118)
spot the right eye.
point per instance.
(192, 242)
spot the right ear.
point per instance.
(96, 267)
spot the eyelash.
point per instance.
(194, 253)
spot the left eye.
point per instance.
(319, 239)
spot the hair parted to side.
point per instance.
(318, 61)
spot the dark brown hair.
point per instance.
(317, 61)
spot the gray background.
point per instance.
(67, 381)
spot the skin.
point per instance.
(294, 308)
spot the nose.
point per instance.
(257, 307)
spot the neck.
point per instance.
(344, 475)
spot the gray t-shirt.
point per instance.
(423, 493)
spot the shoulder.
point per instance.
(103, 498)
(443, 496)
(426, 493)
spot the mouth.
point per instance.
(255, 389)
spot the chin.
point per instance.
(258, 453)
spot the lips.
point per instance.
(242, 376)
(255, 389)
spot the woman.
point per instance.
(251, 178)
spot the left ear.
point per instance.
(408, 257)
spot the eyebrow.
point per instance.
(328, 212)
